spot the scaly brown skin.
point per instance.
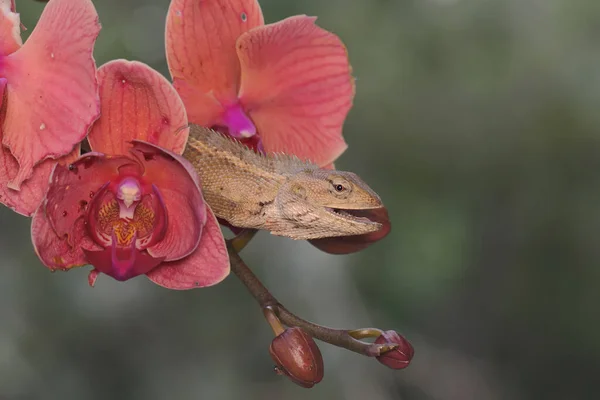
(279, 193)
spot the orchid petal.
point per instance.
(186, 210)
(26, 200)
(72, 188)
(297, 87)
(352, 244)
(200, 42)
(137, 102)
(33, 190)
(10, 28)
(201, 110)
(206, 266)
(52, 90)
(54, 251)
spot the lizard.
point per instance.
(279, 193)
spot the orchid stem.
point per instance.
(348, 339)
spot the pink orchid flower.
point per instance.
(289, 83)
(283, 87)
(133, 205)
(48, 95)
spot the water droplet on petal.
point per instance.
(42, 126)
(92, 194)
(64, 213)
(51, 55)
(244, 17)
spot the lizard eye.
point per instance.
(340, 187)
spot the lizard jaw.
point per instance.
(364, 216)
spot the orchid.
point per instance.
(48, 95)
(285, 87)
(133, 205)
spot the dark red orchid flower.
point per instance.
(398, 358)
(283, 87)
(48, 95)
(133, 205)
(298, 357)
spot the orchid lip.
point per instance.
(125, 211)
(122, 268)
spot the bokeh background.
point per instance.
(477, 121)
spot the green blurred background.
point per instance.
(477, 122)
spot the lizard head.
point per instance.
(343, 201)
(338, 190)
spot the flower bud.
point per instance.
(297, 356)
(399, 357)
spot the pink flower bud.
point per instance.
(297, 356)
(399, 357)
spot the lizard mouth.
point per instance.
(371, 216)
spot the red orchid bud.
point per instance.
(297, 356)
(399, 357)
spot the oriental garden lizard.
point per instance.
(278, 192)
